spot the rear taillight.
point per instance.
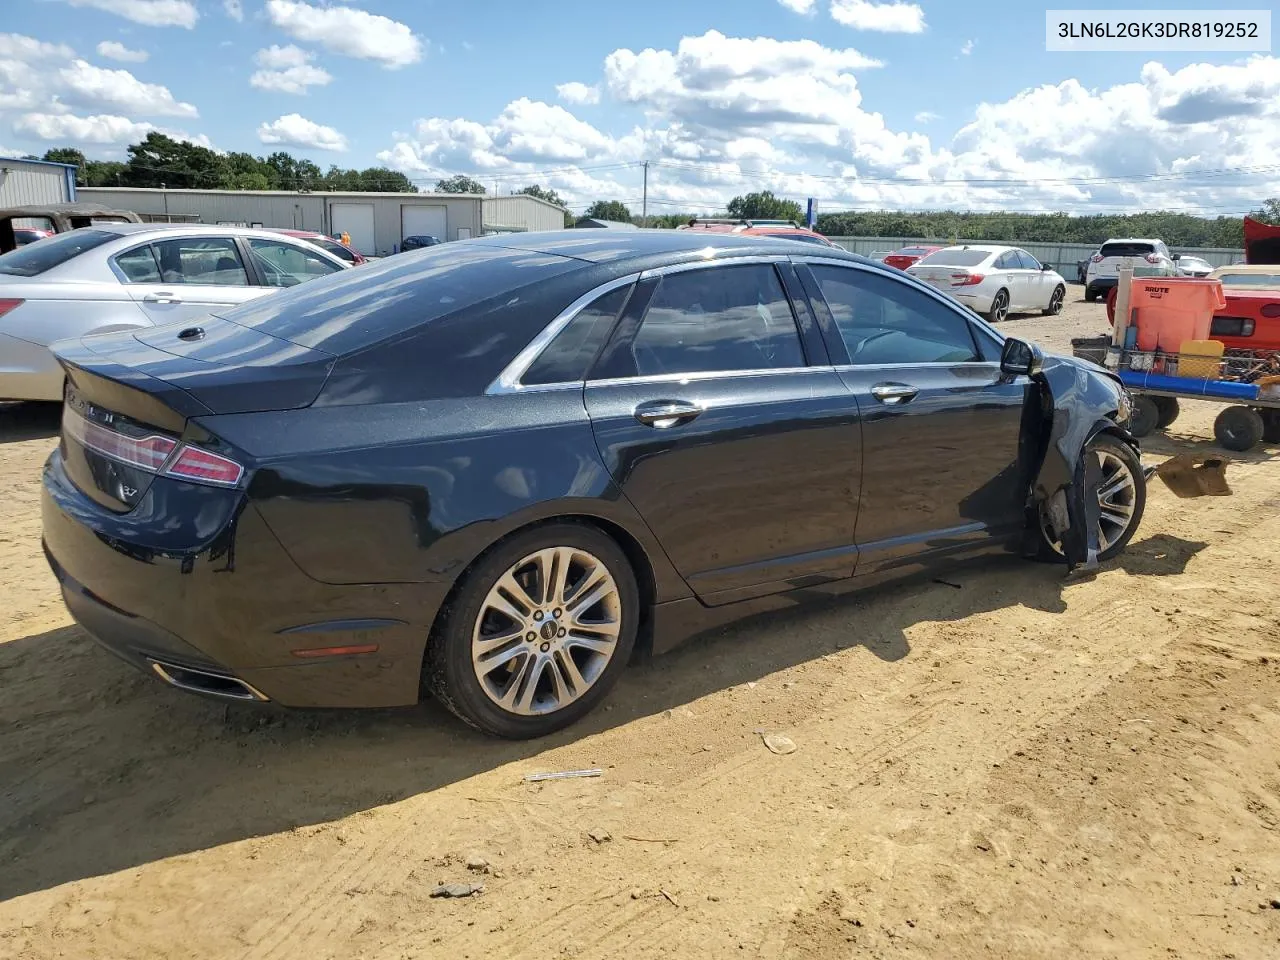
(966, 279)
(201, 466)
(1270, 310)
(1096, 258)
(146, 453)
(6, 305)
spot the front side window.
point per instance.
(718, 319)
(285, 265)
(214, 261)
(1027, 261)
(334, 247)
(567, 357)
(885, 320)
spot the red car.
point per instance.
(782, 229)
(909, 255)
(25, 235)
(327, 244)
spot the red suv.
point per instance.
(782, 229)
(327, 244)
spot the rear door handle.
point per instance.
(161, 298)
(666, 413)
(894, 393)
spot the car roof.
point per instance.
(609, 246)
(1132, 240)
(982, 247)
(1260, 268)
(288, 232)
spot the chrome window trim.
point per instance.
(701, 375)
(508, 381)
(715, 262)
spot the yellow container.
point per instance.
(1200, 359)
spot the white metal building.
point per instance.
(376, 222)
(27, 182)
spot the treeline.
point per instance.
(1175, 229)
(161, 161)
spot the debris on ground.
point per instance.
(1195, 475)
(477, 864)
(779, 744)
(600, 836)
(457, 890)
(563, 775)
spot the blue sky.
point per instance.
(866, 103)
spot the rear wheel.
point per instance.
(1055, 301)
(1167, 409)
(1238, 428)
(1122, 497)
(1145, 416)
(999, 307)
(538, 632)
(1090, 295)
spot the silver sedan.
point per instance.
(115, 276)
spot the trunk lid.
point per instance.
(130, 394)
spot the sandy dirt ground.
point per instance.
(1006, 766)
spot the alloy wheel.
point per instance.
(1117, 498)
(1000, 308)
(1055, 302)
(546, 631)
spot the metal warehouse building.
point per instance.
(376, 222)
(28, 182)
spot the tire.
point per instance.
(1270, 425)
(1145, 416)
(455, 677)
(1168, 410)
(999, 307)
(1056, 301)
(1238, 429)
(1090, 295)
(1130, 503)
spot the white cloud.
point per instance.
(575, 92)
(233, 9)
(926, 116)
(287, 70)
(892, 17)
(97, 129)
(149, 13)
(297, 131)
(468, 46)
(15, 46)
(86, 84)
(799, 6)
(348, 31)
(118, 51)
(967, 47)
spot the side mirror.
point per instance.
(1021, 359)
(1177, 256)
(1046, 266)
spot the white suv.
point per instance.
(1147, 257)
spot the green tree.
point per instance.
(459, 184)
(65, 155)
(1270, 212)
(614, 210)
(382, 180)
(543, 193)
(765, 206)
(161, 160)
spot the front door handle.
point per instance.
(162, 298)
(894, 393)
(666, 413)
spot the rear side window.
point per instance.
(1008, 261)
(36, 258)
(213, 261)
(567, 357)
(718, 319)
(1126, 249)
(885, 320)
(139, 265)
(955, 257)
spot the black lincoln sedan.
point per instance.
(488, 470)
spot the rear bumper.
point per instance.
(1100, 284)
(235, 607)
(978, 301)
(28, 371)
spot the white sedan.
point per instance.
(994, 281)
(114, 276)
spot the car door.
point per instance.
(944, 471)
(186, 277)
(1016, 280)
(1040, 284)
(719, 416)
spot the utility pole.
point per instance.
(644, 202)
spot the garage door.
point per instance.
(420, 220)
(356, 219)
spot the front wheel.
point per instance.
(1055, 301)
(999, 307)
(1122, 498)
(537, 633)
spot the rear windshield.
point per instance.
(955, 257)
(34, 259)
(351, 309)
(1228, 279)
(1127, 248)
(913, 251)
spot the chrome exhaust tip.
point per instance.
(208, 684)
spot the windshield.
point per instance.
(34, 259)
(1228, 279)
(913, 251)
(955, 257)
(334, 247)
